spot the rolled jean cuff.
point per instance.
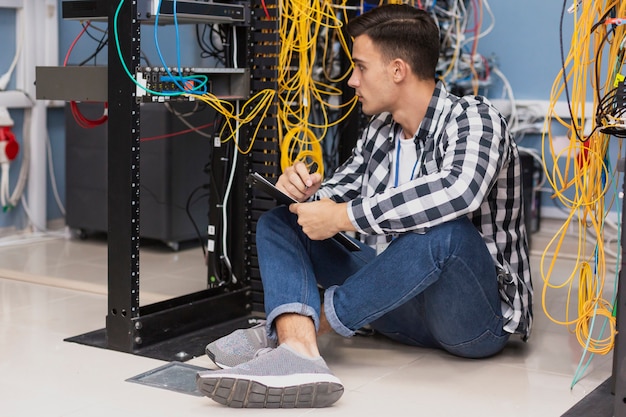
(331, 315)
(297, 308)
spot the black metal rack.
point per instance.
(609, 398)
(619, 351)
(163, 329)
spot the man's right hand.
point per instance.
(297, 182)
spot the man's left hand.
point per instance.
(322, 219)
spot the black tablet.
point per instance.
(270, 189)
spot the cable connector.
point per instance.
(574, 6)
(8, 145)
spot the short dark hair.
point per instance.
(401, 31)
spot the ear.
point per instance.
(399, 69)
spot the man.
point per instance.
(433, 186)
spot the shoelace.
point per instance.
(262, 351)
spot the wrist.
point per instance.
(343, 218)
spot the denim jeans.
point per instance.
(437, 289)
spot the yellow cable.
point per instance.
(580, 178)
(304, 25)
(258, 104)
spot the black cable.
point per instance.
(563, 69)
(226, 168)
(601, 20)
(209, 49)
(84, 25)
(214, 263)
(94, 55)
(102, 42)
(193, 222)
(597, 64)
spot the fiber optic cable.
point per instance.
(234, 121)
(304, 26)
(581, 175)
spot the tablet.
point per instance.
(270, 189)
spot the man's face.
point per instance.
(372, 77)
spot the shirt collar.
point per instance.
(435, 109)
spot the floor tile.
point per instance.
(52, 289)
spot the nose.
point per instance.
(352, 81)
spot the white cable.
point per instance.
(4, 185)
(23, 175)
(4, 79)
(231, 177)
(486, 31)
(53, 179)
(226, 197)
(183, 120)
(234, 43)
(30, 217)
(513, 121)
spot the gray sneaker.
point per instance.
(280, 378)
(240, 346)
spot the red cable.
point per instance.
(267, 13)
(69, 51)
(83, 121)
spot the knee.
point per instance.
(271, 218)
(263, 222)
(484, 346)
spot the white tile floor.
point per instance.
(52, 289)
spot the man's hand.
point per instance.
(297, 182)
(322, 219)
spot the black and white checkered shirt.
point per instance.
(468, 165)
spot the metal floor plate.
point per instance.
(598, 403)
(174, 376)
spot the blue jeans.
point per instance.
(438, 289)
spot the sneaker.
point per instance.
(240, 346)
(281, 378)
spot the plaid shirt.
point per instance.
(468, 165)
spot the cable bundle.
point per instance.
(460, 64)
(305, 92)
(581, 183)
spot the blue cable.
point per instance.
(119, 53)
(179, 80)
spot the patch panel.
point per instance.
(158, 84)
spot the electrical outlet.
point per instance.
(5, 117)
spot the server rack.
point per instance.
(246, 204)
(159, 330)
